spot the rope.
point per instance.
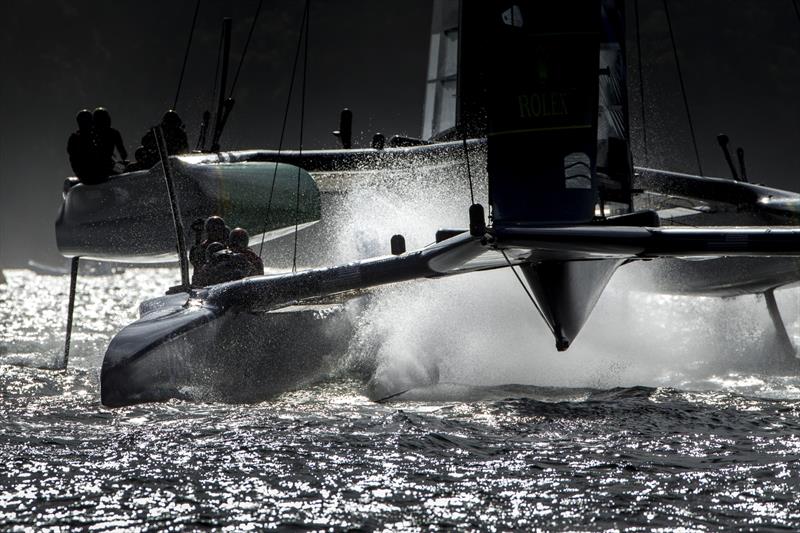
(530, 296)
(300, 150)
(246, 47)
(186, 55)
(683, 88)
(283, 126)
(641, 81)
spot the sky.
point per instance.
(740, 61)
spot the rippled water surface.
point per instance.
(658, 434)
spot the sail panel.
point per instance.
(528, 79)
(614, 165)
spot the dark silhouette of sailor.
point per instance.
(174, 133)
(239, 242)
(204, 275)
(107, 139)
(216, 232)
(174, 138)
(81, 149)
(221, 265)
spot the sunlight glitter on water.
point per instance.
(702, 448)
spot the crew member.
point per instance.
(216, 232)
(203, 274)
(81, 149)
(107, 139)
(174, 137)
(221, 265)
(147, 153)
(239, 242)
(174, 133)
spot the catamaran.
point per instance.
(539, 90)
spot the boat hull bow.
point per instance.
(202, 353)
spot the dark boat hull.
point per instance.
(719, 277)
(128, 218)
(234, 357)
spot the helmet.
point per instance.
(213, 248)
(215, 229)
(239, 239)
(171, 120)
(198, 224)
(84, 119)
(214, 223)
(102, 119)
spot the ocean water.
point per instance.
(667, 414)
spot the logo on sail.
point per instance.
(513, 17)
(577, 171)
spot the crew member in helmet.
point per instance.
(216, 232)
(147, 153)
(203, 274)
(174, 138)
(81, 149)
(221, 265)
(239, 242)
(174, 133)
(107, 139)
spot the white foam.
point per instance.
(481, 329)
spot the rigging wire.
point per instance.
(683, 88)
(186, 55)
(215, 88)
(283, 126)
(469, 170)
(641, 82)
(530, 296)
(246, 47)
(796, 5)
(464, 129)
(300, 149)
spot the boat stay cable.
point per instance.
(469, 170)
(463, 129)
(201, 140)
(215, 87)
(186, 55)
(530, 296)
(683, 87)
(300, 148)
(283, 127)
(641, 82)
(246, 48)
(796, 5)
